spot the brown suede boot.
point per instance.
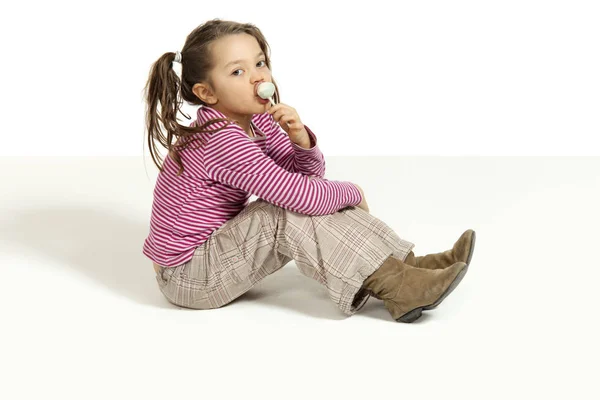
(406, 290)
(462, 251)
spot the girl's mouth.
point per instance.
(261, 100)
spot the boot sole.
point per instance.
(416, 313)
(471, 249)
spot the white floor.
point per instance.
(82, 316)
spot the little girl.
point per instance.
(209, 244)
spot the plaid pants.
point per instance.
(339, 250)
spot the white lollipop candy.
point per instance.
(266, 90)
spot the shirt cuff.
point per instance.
(355, 196)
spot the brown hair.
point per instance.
(163, 86)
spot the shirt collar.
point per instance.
(206, 113)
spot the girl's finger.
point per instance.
(274, 108)
(280, 114)
(289, 119)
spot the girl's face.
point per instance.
(240, 65)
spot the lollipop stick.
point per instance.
(273, 103)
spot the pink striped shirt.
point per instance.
(220, 175)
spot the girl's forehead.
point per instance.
(236, 48)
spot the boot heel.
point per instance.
(411, 315)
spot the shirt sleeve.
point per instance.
(231, 158)
(293, 157)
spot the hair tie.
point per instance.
(177, 56)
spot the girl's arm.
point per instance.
(233, 159)
(292, 156)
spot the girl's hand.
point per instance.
(290, 122)
(363, 204)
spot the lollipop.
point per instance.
(266, 91)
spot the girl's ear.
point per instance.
(204, 93)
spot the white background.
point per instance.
(396, 78)
(81, 313)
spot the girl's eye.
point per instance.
(234, 72)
